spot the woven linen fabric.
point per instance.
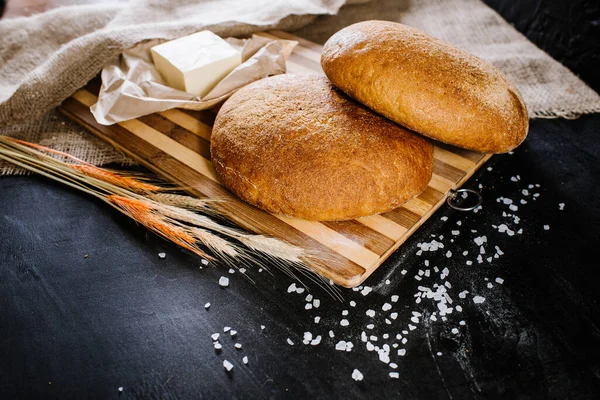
(45, 58)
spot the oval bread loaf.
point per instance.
(295, 145)
(427, 85)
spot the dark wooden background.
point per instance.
(86, 306)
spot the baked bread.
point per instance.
(427, 85)
(295, 145)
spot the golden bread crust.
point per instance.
(295, 145)
(427, 85)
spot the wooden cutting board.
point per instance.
(175, 144)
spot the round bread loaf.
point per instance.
(295, 145)
(427, 85)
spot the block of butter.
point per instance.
(195, 63)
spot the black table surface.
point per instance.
(89, 309)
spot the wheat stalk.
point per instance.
(183, 220)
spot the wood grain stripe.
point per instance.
(402, 216)
(334, 240)
(188, 122)
(447, 171)
(384, 226)
(363, 235)
(452, 159)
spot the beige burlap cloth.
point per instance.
(45, 58)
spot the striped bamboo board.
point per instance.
(175, 144)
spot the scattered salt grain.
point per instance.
(394, 298)
(231, 271)
(370, 313)
(546, 227)
(233, 333)
(207, 306)
(317, 319)
(448, 254)
(308, 306)
(291, 288)
(290, 342)
(226, 329)
(454, 330)
(357, 375)
(300, 290)
(401, 352)
(403, 272)
(478, 299)
(204, 262)
(561, 206)
(331, 334)
(352, 303)
(345, 312)
(316, 303)
(439, 353)
(366, 290)
(386, 307)
(394, 375)
(227, 365)
(462, 323)
(245, 360)
(215, 336)
(237, 346)
(217, 346)
(344, 322)
(370, 326)
(120, 388)
(223, 281)
(162, 255)
(499, 281)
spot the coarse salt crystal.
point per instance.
(207, 305)
(401, 352)
(546, 227)
(386, 307)
(291, 288)
(300, 290)
(317, 319)
(215, 336)
(344, 322)
(227, 365)
(366, 290)
(331, 334)
(370, 326)
(233, 332)
(245, 360)
(357, 375)
(394, 298)
(352, 303)
(223, 281)
(204, 262)
(162, 255)
(290, 342)
(499, 281)
(454, 330)
(341, 345)
(370, 313)
(217, 346)
(231, 271)
(237, 346)
(345, 312)
(403, 272)
(226, 329)
(394, 375)
(478, 299)
(316, 340)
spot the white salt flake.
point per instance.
(403, 272)
(308, 306)
(546, 227)
(331, 334)
(352, 303)
(226, 329)
(401, 352)
(341, 345)
(245, 360)
(237, 346)
(217, 346)
(478, 299)
(204, 262)
(454, 330)
(290, 342)
(357, 375)
(394, 375)
(386, 307)
(316, 340)
(215, 336)
(291, 288)
(499, 281)
(231, 271)
(448, 254)
(366, 290)
(370, 313)
(561, 206)
(227, 365)
(344, 322)
(317, 319)
(345, 312)
(300, 290)
(162, 255)
(233, 332)
(207, 306)
(316, 303)
(223, 281)
(394, 298)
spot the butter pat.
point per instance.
(195, 63)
